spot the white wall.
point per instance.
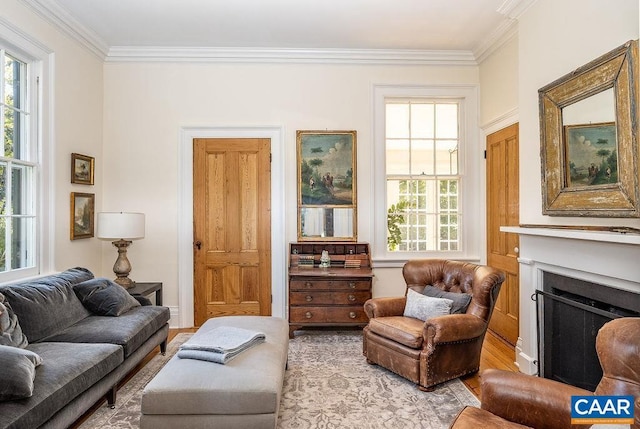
(146, 104)
(499, 84)
(74, 103)
(556, 37)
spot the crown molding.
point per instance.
(506, 31)
(60, 18)
(56, 15)
(514, 8)
(280, 55)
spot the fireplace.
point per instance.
(570, 313)
(603, 263)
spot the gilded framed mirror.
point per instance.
(589, 142)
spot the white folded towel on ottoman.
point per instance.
(220, 344)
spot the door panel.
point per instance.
(503, 208)
(232, 224)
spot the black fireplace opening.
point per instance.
(570, 313)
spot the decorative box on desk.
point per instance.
(332, 296)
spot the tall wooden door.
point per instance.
(232, 227)
(503, 210)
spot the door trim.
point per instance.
(185, 214)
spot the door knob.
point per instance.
(516, 250)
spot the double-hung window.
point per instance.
(18, 169)
(427, 200)
(422, 142)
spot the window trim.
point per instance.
(40, 64)
(471, 168)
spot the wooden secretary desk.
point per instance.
(332, 296)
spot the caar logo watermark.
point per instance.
(602, 410)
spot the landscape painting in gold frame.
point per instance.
(82, 215)
(327, 198)
(82, 169)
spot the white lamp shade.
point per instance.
(120, 226)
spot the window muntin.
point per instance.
(422, 175)
(18, 169)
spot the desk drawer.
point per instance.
(322, 284)
(346, 314)
(329, 298)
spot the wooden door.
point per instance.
(503, 210)
(232, 227)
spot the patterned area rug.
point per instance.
(328, 385)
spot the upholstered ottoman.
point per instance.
(243, 393)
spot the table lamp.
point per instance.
(122, 228)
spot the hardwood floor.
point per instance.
(496, 353)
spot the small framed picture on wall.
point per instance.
(82, 215)
(82, 169)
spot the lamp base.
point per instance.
(122, 267)
(125, 282)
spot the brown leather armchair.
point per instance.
(444, 347)
(515, 400)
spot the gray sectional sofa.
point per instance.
(76, 337)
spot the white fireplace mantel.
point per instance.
(601, 257)
(576, 234)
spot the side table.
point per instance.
(147, 288)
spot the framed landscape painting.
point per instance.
(82, 169)
(82, 215)
(326, 167)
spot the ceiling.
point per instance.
(426, 25)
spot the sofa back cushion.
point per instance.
(48, 304)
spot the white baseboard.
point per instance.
(526, 364)
(174, 321)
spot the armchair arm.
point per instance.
(528, 400)
(384, 307)
(453, 327)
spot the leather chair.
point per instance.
(444, 347)
(516, 400)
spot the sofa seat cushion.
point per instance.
(48, 304)
(129, 330)
(404, 330)
(66, 371)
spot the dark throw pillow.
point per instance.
(105, 298)
(460, 300)
(10, 331)
(18, 372)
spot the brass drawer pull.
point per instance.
(308, 315)
(351, 298)
(352, 285)
(308, 284)
(352, 314)
(308, 298)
